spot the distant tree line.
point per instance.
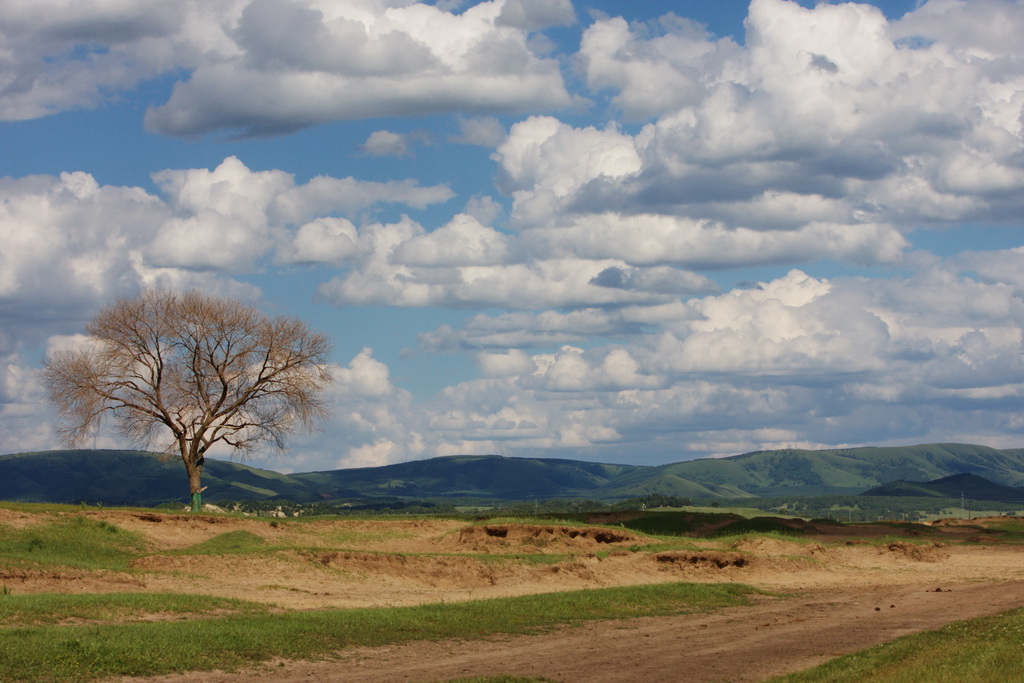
(288, 508)
(838, 508)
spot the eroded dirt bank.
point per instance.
(845, 592)
(370, 563)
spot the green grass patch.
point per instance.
(232, 542)
(53, 608)
(73, 541)
(984, 650)
(756, 525)
(735, 510)
(83, 653)
(1008, 524)
(528, 559)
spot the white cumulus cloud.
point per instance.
(319, 61)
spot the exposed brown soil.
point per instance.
(848, 588)
(737, 644)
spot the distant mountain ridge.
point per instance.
(141, 478)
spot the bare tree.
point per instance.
(207, 369)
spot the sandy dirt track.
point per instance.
(737, 644)
(847, 588)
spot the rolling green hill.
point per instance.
(849, 471)
(484, 476)
(970, 486)
(133, 477)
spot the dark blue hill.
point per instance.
(140, 478)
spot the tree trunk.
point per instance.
(195, 485)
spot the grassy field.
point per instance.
(70, 542)
(22, 611)
(979, 651)
(34, 648)
(83, 637)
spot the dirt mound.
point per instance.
(457, 577)
(701, 559)
(975, 521)
(427, 571)
(913, 551)
(773, 546)
(541, 538)
(174, 531)
(344, 562)
(986, 539)
(762, 566)
(33, 580)
(18, 520)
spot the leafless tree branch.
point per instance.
(188, 371)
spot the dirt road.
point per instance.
(737, 644)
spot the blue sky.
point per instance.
(615, 231)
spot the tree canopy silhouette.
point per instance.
(188, 371)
